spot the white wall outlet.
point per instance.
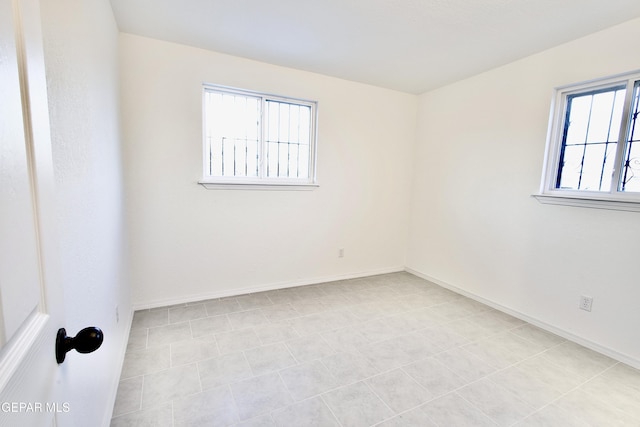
(585, 303)
(341, 253)
(117, 315)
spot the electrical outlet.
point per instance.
(117, 315)
(585, 303)
(341, 253)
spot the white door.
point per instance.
(30, 293)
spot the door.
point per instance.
(30, 294)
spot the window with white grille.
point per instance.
(593, 150)
(257, 139)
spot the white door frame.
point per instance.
(30, 379)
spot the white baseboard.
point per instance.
(260, 288)
(621, 357)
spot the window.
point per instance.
(252, 139)
(593, 147)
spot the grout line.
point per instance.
(142, 392)
(199, 377)
(478, 408)
(366, 384)
(362, 295)
(330, 409)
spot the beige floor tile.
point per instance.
(145, 361)
(593, 411)
(551, 416)
(443, 338)
(150, 318)
(214, 407)
(309, 348)
(311, 412)
(173, 383)
(434, 376)
(398, 390)
(492, 353)
(137, 339)
(466, 365)
(129, 396)
(356, 405)
(223, 306)
(210, 325)
(164, 335)
(186, 313)
(388, 350)
(269, 358)
(194, 350)
(247, 319)
(413, 418)
(234, 341)
(275, 332)
(452, 410)
(347, 339)
(526, 387)
(279, 312)
(620, 396)
(624, 374)
(259, 421)
(308, 380)
(578, 359)
(349, 367)
(385, 355)
(160, 416)
(223, 370)
(260, 395)
(538, 336)
(499, 404)
(416, 345)
(251, 301)
(552, 375)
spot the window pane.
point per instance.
(602, 111)
(288, 135)
(592, 127)
(232, 128)
(294, 123)
(630, 178)
(272, 159)
(578, 120)
(305, 125)
(571, 168)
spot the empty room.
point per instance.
(342, 213)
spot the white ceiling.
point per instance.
(407, 45)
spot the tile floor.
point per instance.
(388, 350)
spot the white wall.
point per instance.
(474, 225)
(81, 45)
(189, 243)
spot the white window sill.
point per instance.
(589, 202)
(253, 185)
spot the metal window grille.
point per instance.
(591, 131)
(630, 179)
(258, 137)
(287, 139)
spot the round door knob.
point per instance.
(87, 340)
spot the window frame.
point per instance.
(614, 198)
(261, 182)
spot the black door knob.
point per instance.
(88, 340)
